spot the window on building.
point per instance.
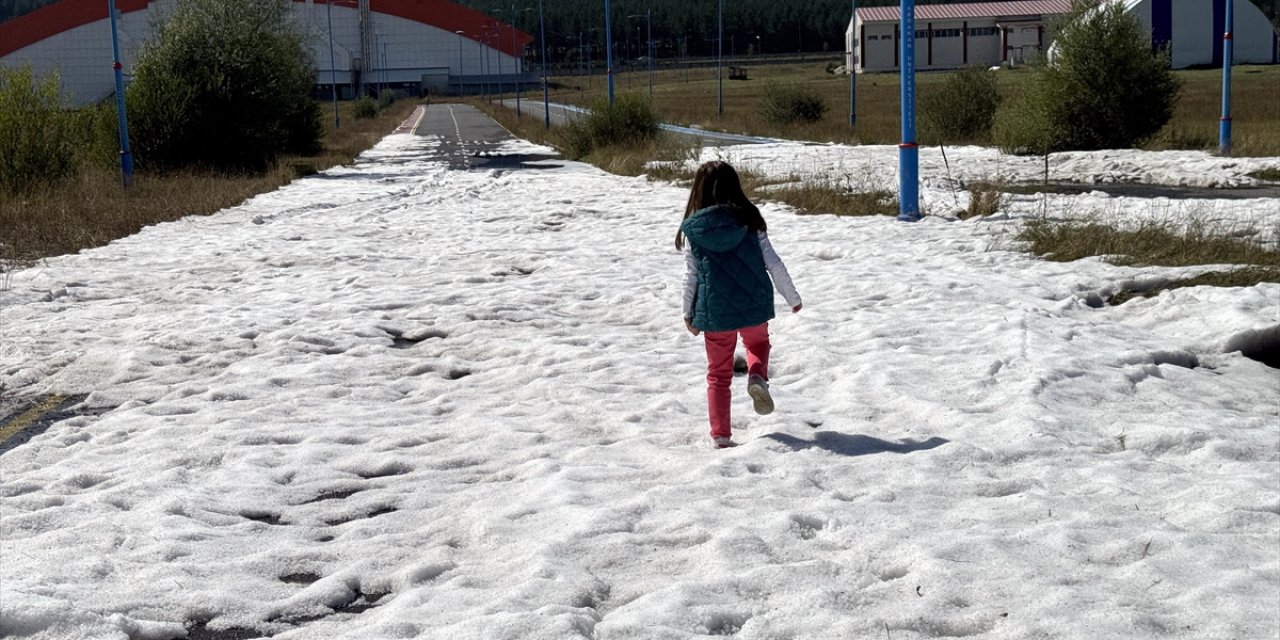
(983, 31)
(921, 34)
(946, 33)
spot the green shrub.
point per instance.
(224, 84)
(37, 133)
(961, 108)
(630, 120)
(789, 103)
(1101, 88)
(365, 107)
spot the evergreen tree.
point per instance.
(1101, 88)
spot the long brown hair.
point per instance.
(716, 183)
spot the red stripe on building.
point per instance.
(50, 20)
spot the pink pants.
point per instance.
(720, 347)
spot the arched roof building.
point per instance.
(413, 44)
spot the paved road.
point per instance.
(472, 140)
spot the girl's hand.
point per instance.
(796, 309)
(688, 324)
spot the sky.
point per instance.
(399, 400)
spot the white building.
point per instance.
(410, 44)
(991, 33)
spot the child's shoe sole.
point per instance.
(760, 396)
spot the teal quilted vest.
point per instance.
(734, 289)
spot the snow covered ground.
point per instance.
(400, 401)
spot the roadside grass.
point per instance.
(1270, 174)
(1157, 244)
(91, 208)
(689, 97)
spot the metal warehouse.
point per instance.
(994, 33)
(418, 45)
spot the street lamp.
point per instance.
(459, 32)
(546, 100)
(519, 58)
(126, 156)
(333, 69)
(497, 42)
(853, 54)
(608, 48)
(720, 62)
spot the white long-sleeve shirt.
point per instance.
(772, 263)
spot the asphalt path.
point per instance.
(471, 140)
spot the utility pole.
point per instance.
(546, 100)
(1224, 123)
(720, 62)
(853, 55)
(333, 69)
(908, 150)
(126, 156)
(608, 48)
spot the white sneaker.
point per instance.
(722, 442)
(758, 389)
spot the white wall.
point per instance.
(82, 56)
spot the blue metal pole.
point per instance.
(648, 26)
(514, 47)
(1224, 123)
(460, 89)
(853, 54)
(546, 99)
(333, 69)
(720, 62)
(126, 156)
(908, 150)
(608, 48)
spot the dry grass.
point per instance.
(92, 209)
(1148, 244)
(689, 97)
(1157, 244)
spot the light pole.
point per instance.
(497, 42)
(720, 62)
(1224, 123)
(459, 61)
(126, 155)
(518, 58)
(648, 29)
(608, 49)
(546, 99)
(908, 150)
(333, 69)
(853, 53)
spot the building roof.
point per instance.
(50, 20)
(969, 10)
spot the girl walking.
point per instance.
(731, 270)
